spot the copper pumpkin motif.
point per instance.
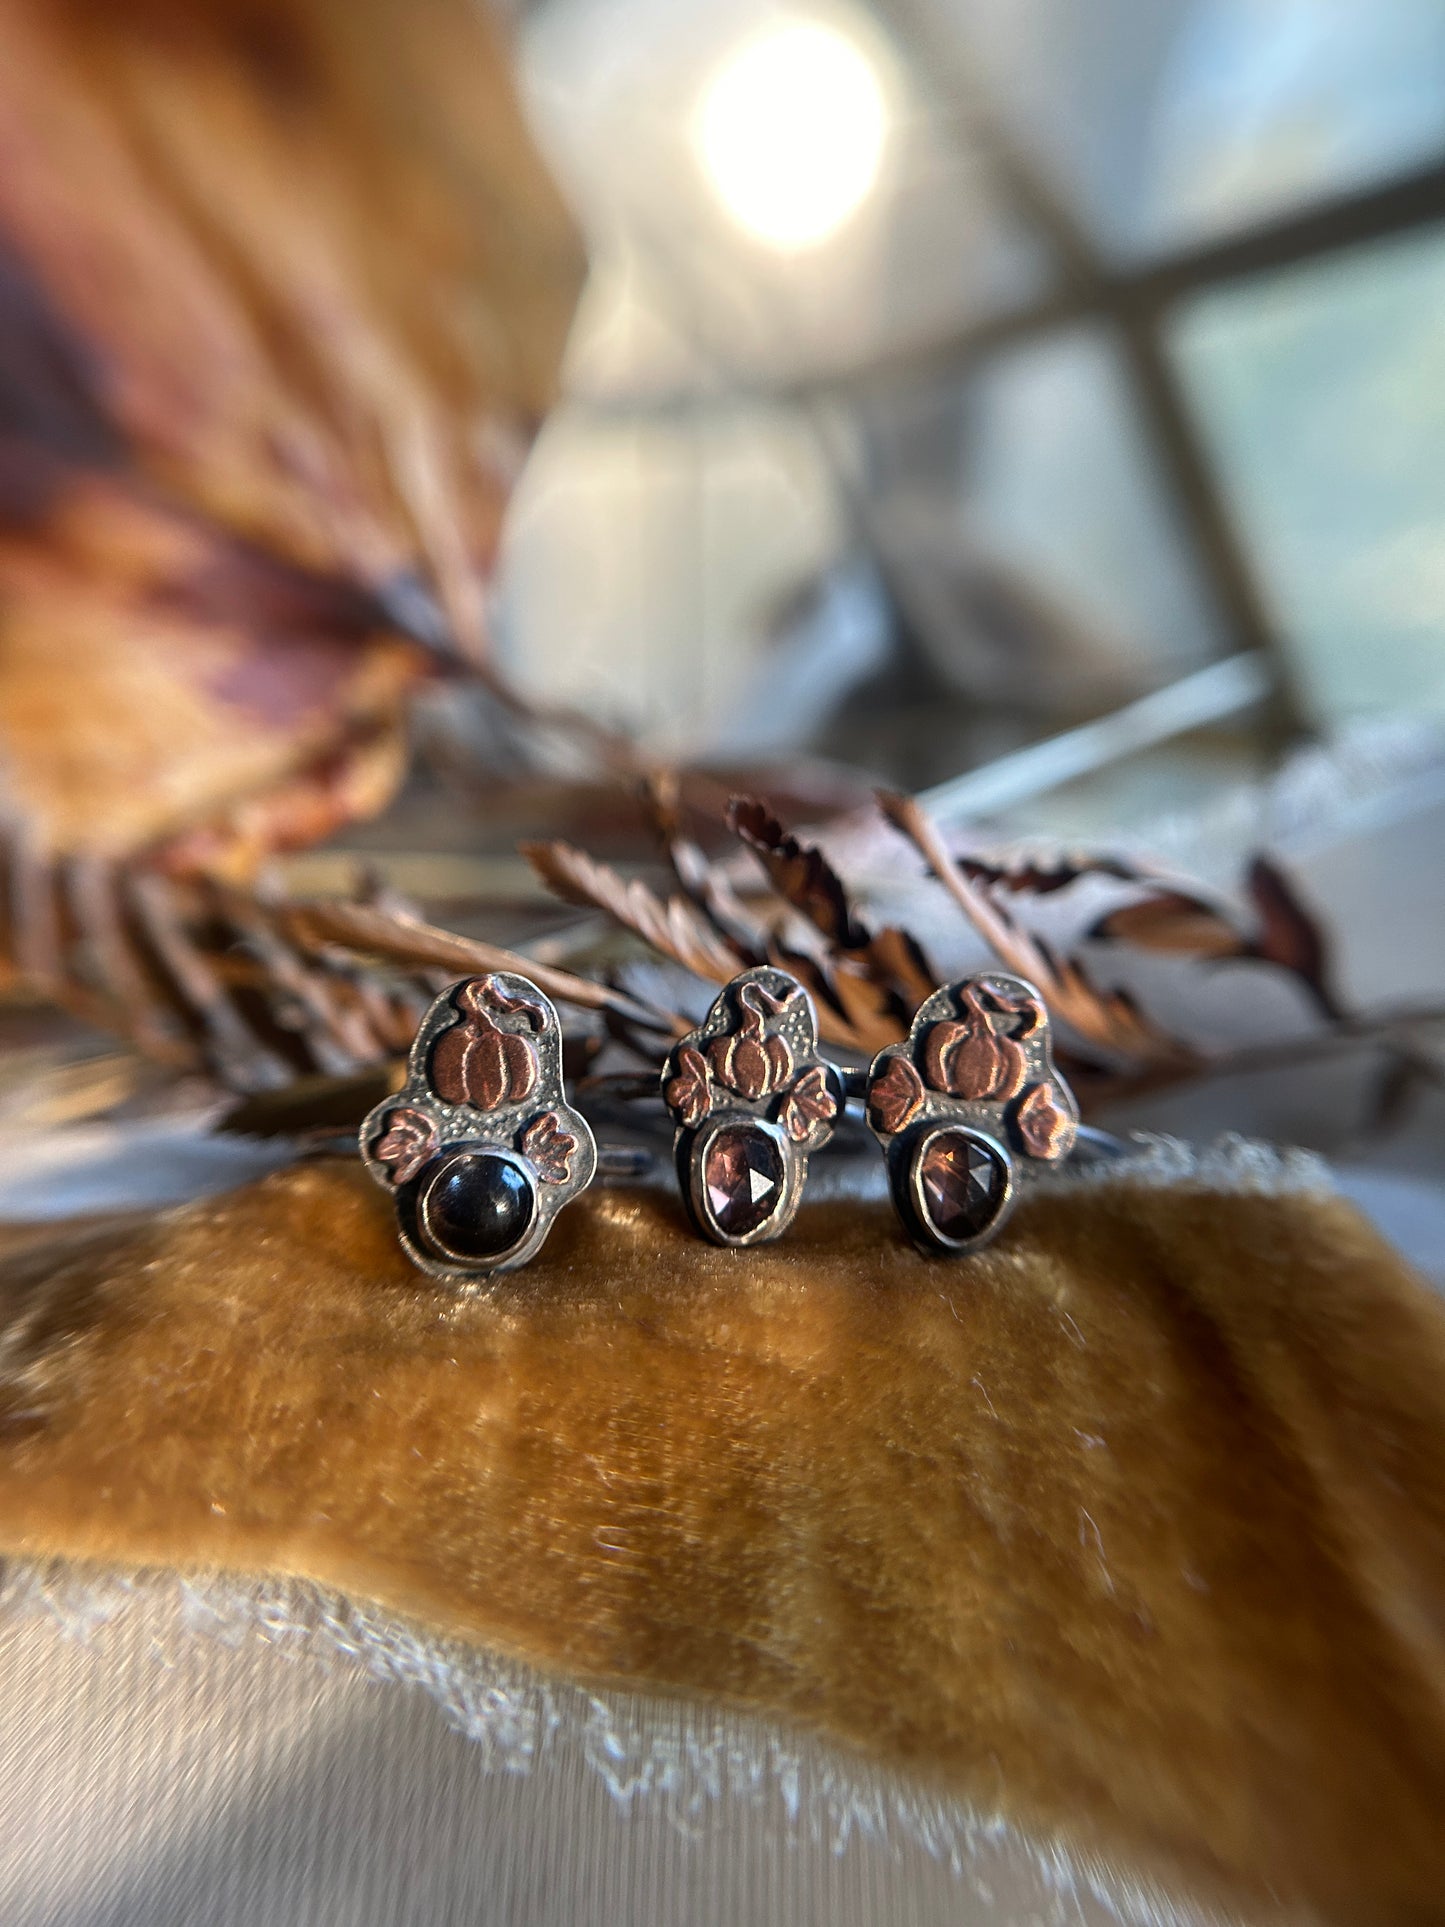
(750, 1061)
(969, 1058)
(485, 1094)
(752, 1101)
(965, 1105)
(476, 1061)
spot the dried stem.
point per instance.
(316, 921)
(1109, 1019)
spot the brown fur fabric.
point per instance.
(1133, 1527)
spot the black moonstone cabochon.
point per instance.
(962, 1184)
(473, 1207)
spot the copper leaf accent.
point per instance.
(410, 1142)
(688, 1095)
(895, 1095)
(808, 1104)
(550, 1147)
(1042, 1122)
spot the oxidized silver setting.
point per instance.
(965, 1106)
(480, 1149)
(752, 1100)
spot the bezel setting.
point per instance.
(429, 1181)
(917, 1146)
(693, 1163)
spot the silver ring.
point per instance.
(480, 1149)
(965, 1105)
(752, 1100)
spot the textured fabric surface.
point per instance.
(1129, 1530)
(260, 1757)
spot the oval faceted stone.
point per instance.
(962, 1183)
(475, 1206)
(743, 1175)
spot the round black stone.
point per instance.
(474, 1205)
(961, 1182)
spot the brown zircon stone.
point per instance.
(963, 1185)
(743, 1176)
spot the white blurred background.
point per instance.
(953, 372)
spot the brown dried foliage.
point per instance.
(272, 273)
(262, 993)
(310, 1005)
(1288, 935)
(1107, 1019)
(700, 932)
(867, 984)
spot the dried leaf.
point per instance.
(672, 926)
(315, 1106)
(874, 1017)
(800, 874)
(1032, 876)
(1174, 923)
(847, 1005)
(275, 279)
(240, 1058)
(318, 921)
(891, 961)
(305, 251)
(257, 991)
(700, 881)
(1290, 935)
(1110, 1019)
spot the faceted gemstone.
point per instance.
(475, 1205)
(963, 1184)
(743, 1173)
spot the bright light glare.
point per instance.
(791, 132)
